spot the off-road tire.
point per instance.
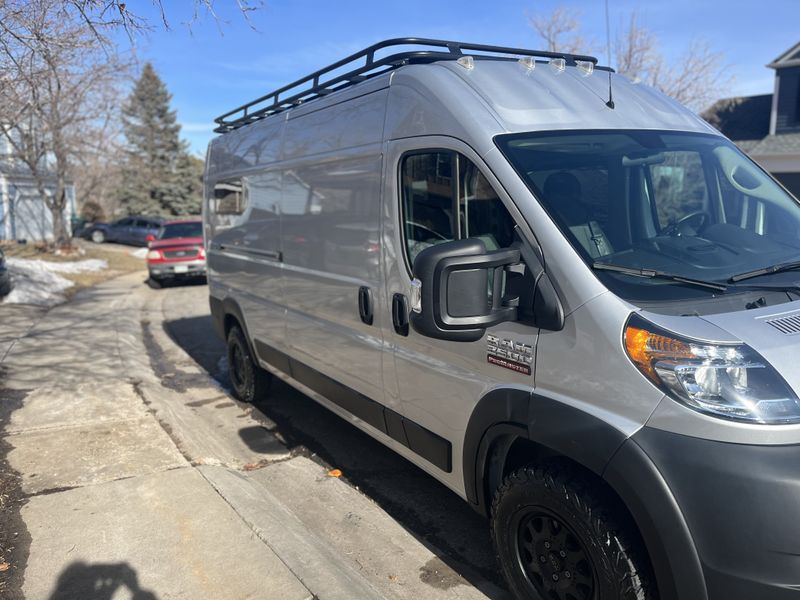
(250, 382)
(560, 536)
(98, 237)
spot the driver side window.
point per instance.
(445, 197)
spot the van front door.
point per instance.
(438, 190)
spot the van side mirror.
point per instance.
(454, 300)
(150, 238)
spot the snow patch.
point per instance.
(38, 281)
(140, 253)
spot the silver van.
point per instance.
(557, 291)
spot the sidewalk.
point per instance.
(130, 469)
(109, 500)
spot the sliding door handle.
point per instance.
(365, 304)
(400, 314)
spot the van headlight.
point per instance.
(723, 380)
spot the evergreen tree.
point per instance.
(159, 175)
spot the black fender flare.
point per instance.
(220, 310)
(563, 429)
(604, 450)
(217, 308)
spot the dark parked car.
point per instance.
(5, 277)
(129, 230)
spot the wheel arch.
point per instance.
(225, 314)
(509, 425)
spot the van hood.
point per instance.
(773, 332)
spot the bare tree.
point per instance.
(100, 15)
(695, 78)
(59, 81)
(636, 50)
(560, 30)
(98, 169)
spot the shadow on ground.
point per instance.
(423, 506)
(15, 540)
(100, 581)
(176, 282)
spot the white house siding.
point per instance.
(5, 222)
(24, 214)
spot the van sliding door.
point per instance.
(330, 215)
(243, 227)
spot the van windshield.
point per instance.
(687, 204)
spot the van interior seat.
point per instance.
(563, 190)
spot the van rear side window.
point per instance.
(440, 207)
(230, 197)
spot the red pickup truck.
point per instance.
(177, 251)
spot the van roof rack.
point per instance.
(273, 102)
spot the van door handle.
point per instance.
(400, 314)
(365, 304)
(275, 255)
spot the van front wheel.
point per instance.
(557, 538)
(250, 382)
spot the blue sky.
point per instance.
(219, 64)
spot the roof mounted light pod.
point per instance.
(558, 65)
(528, 62)
(467, 62)
(585, 67)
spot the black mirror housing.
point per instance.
(548, 312)
(454, 301)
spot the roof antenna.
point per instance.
(610, 103)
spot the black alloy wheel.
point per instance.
(250, 382)
(559, 535)
(552, 556)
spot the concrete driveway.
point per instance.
(129, 471)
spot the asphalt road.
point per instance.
(424, 507)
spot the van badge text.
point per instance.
(509, 354)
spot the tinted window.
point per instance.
(230, 197)
(445, 197)
(429, 211)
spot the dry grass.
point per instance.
(119, 261)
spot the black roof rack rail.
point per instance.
(272, 103)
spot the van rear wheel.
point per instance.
(558, 537)
(250, 382)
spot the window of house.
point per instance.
(230, 197)
(445, 197)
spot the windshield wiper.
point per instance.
(789, 266)
(655, 274)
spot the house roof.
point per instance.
(790, 58)
(784, 143)
(741, 118)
